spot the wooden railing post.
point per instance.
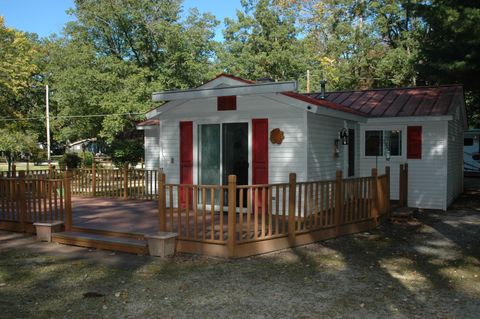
(401, 195)
(406, 184)
(292, 194)
(338, 201)
(125, 181)
(387, 191)
(22, 200)
(94, 179)
(374, 207)
(162, 202)
(232, 214)
(14, 171)
(67, 179)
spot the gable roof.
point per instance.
(398, 102)
(372, 103)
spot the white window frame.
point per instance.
(401, 128)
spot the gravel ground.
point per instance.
(427, 267)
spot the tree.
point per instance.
(18, 53)
(14, 143)
(263, 42)
(116, 54)
(359, 43)
(451, 48)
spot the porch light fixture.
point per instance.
(344, 136)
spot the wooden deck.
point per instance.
(245, 219)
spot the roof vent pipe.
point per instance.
(265, 80)
(322, 89)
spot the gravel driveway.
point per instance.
(426, 267)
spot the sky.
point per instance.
(45, 17)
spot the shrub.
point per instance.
(70, 161)
(87, 159)
(39, 155)
(125, 152)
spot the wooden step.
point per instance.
(89, 240)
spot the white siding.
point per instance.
(152, 148)
(288, 157)
(455, 160)
(322, 132)
(427, 176)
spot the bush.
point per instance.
(87, 159)
(70, 161)
(125, 152)
(39, 155)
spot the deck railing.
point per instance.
(28, 199)
(115, 183)
(239, 216)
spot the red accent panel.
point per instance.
(186, 158)
(414, 142)
(260, 151)
(227, 103)
(260, 159)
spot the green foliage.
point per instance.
(13, 143)
(124, 152)
(263, 42)
(450, 50)
(20, 59)
(116, 54)
(70, 161)
(359, 44)
(87, 159)
(39, 155)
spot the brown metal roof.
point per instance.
(411, 101)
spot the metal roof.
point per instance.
(393, 102)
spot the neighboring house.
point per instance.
(87, 145)
(263, 131)
(471, 150)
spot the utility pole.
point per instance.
(308, 81)
(48, 124)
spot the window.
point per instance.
(227, 103)
(394, 142)
(378, 143)
(468, 141)
(373, 143)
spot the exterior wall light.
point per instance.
(344, 136)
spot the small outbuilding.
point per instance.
(262, 131)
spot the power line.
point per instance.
(69, 116)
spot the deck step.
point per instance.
(89, 240)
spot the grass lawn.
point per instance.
(22, 166)
(425, 268)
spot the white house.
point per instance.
(263, 131)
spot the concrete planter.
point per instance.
(45, 229)
(161, 244)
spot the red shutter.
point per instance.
(227, 103)
(414, 142)
(186, 158)
(260, 151)
(260, 159)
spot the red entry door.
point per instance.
(260, 156)
(186, 159)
